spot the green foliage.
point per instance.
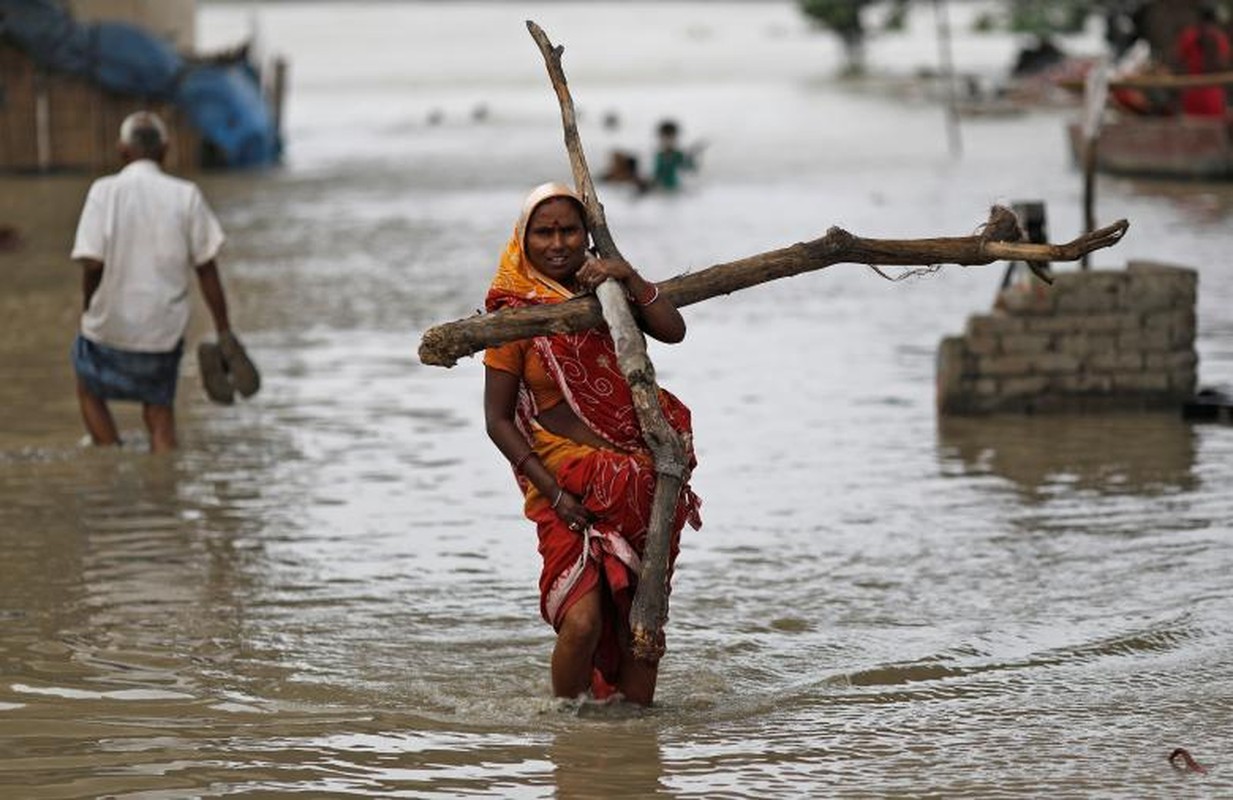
(1046, 17)
(985, 23)
(841, 16)
(897, 16)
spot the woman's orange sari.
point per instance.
(616, 485)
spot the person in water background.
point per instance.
(670, 159)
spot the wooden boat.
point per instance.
(1194, 148)
(1164, 145)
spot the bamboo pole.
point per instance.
(650, 605)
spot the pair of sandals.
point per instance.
(226, 369)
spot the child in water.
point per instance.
(670, 159)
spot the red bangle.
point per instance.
(654, 296)
(518, 464)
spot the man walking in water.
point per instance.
(141, 236)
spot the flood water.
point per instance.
(329, 590)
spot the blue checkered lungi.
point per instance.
(113, 374)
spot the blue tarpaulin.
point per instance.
(128, 60)
(223, 101)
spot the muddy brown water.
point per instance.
(329, 589)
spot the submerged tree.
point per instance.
(844, 19)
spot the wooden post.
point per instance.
(42, 122)
(1095, 95)
(278, 92)
(1089, 191)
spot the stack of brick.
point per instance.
(1094, 340)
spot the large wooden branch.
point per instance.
(649, 611)
(442, 345)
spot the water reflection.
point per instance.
(125, 574)
(608, 760)
(1107, 454)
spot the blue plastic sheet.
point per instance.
(226, 102)
(128, 60)
(116, 55)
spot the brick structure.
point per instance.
(1094, 340)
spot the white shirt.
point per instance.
(151, 231)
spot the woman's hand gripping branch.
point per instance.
(656, 314)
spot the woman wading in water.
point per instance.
(560, 410)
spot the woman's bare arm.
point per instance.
(500, 400)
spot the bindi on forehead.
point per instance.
(554, 225)
(558, 208)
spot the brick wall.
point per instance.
(1094, 340)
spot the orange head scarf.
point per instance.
(517, 281)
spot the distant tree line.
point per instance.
(1156, 21)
